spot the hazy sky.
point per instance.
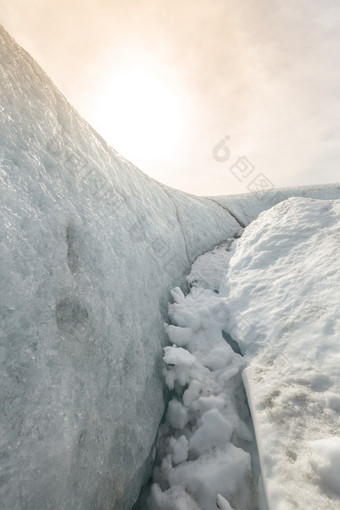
(164, 81)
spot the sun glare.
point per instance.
(141, 114)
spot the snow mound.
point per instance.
(282, 294)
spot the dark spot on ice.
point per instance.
(72, 257)
(4, 479)
(72, 317)
(4, 455)
(6, 311)
(82, 438)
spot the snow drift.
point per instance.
(89, 248)
(282, 294)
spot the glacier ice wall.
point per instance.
(89, 248)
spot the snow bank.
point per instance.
(282, 293)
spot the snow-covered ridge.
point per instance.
(282, 294)
(247, 207)
(89, 248)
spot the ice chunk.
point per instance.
(179, 336)
(219, 357)
(180, 449)
(222, 471)
(179, 357)
(214, 431)
(177, 414)
(191, 394)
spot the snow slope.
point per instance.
(282, 294)
(89, 248)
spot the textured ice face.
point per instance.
(89, 248)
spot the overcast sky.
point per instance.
(164, 81)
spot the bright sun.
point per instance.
(141, 114)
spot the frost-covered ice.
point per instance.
(90, 247)
(282, 293)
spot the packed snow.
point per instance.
(282, 293)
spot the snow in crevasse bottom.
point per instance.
(207, 457)
(279, 299)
